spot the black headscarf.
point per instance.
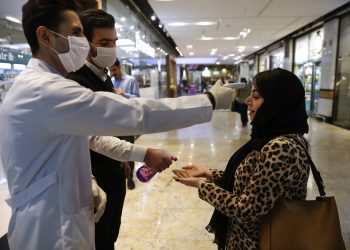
(282, 112)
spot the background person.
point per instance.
(272, 165)
(124, 84)
(239, 104)
(127, 86)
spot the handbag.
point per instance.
(303, 224)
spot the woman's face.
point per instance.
(254, 101)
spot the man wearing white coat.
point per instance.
(45, 122)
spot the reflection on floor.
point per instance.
(163, 214)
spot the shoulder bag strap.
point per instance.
(316, 174)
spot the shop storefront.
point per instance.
(142, 52)
(14, 54)
(264, 62)
(277, 58)
(307, 66)
(342, 86)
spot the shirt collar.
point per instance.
(35, 63)
(99, 72)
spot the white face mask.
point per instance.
(105, 56)
(78, 50)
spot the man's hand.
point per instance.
(100, 200)
(159, 159)
(222, 95)
(119, 91)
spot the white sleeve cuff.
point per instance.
(138, 153)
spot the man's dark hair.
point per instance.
(117, 63)
(46, 13)
(95, 18)
(244, 80)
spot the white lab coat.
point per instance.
(45, 121)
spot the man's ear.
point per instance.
(43, 36)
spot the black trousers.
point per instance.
(107, 229)
(243, 109)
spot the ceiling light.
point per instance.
(256, 47)
(160, 26)
(3, 40)
(132, 27)
(243, 34)
(123, 19)
(232, 54)
(230, 38)
(218, 63)
(213, 51)
(189, 46)
(205, 23)
(246, 30)
(191, 53)
(153, 18)
(205, 38)
(143, 36)
(12, 19)
(176, 24)
(240, 49)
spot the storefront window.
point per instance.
(342, 88)
(308, 52)
(140, 50)
(277, 58)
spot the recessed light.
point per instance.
(205, 23)
(205, 38)
(189, 46)
(176, 24)
(153, 18)
(191, 53)
(230, 38)
(12, 19)
(123, 19)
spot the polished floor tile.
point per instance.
(163, 214)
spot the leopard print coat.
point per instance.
(280, 169)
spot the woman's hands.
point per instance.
(192, 175)
(197, 171)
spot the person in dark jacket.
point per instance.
(110, 174)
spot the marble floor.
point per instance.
(163, 214)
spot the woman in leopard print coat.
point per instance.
(272, 165)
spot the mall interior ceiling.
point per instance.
(225, 29)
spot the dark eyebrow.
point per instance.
(107, 40)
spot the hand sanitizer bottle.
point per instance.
(145, 173)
